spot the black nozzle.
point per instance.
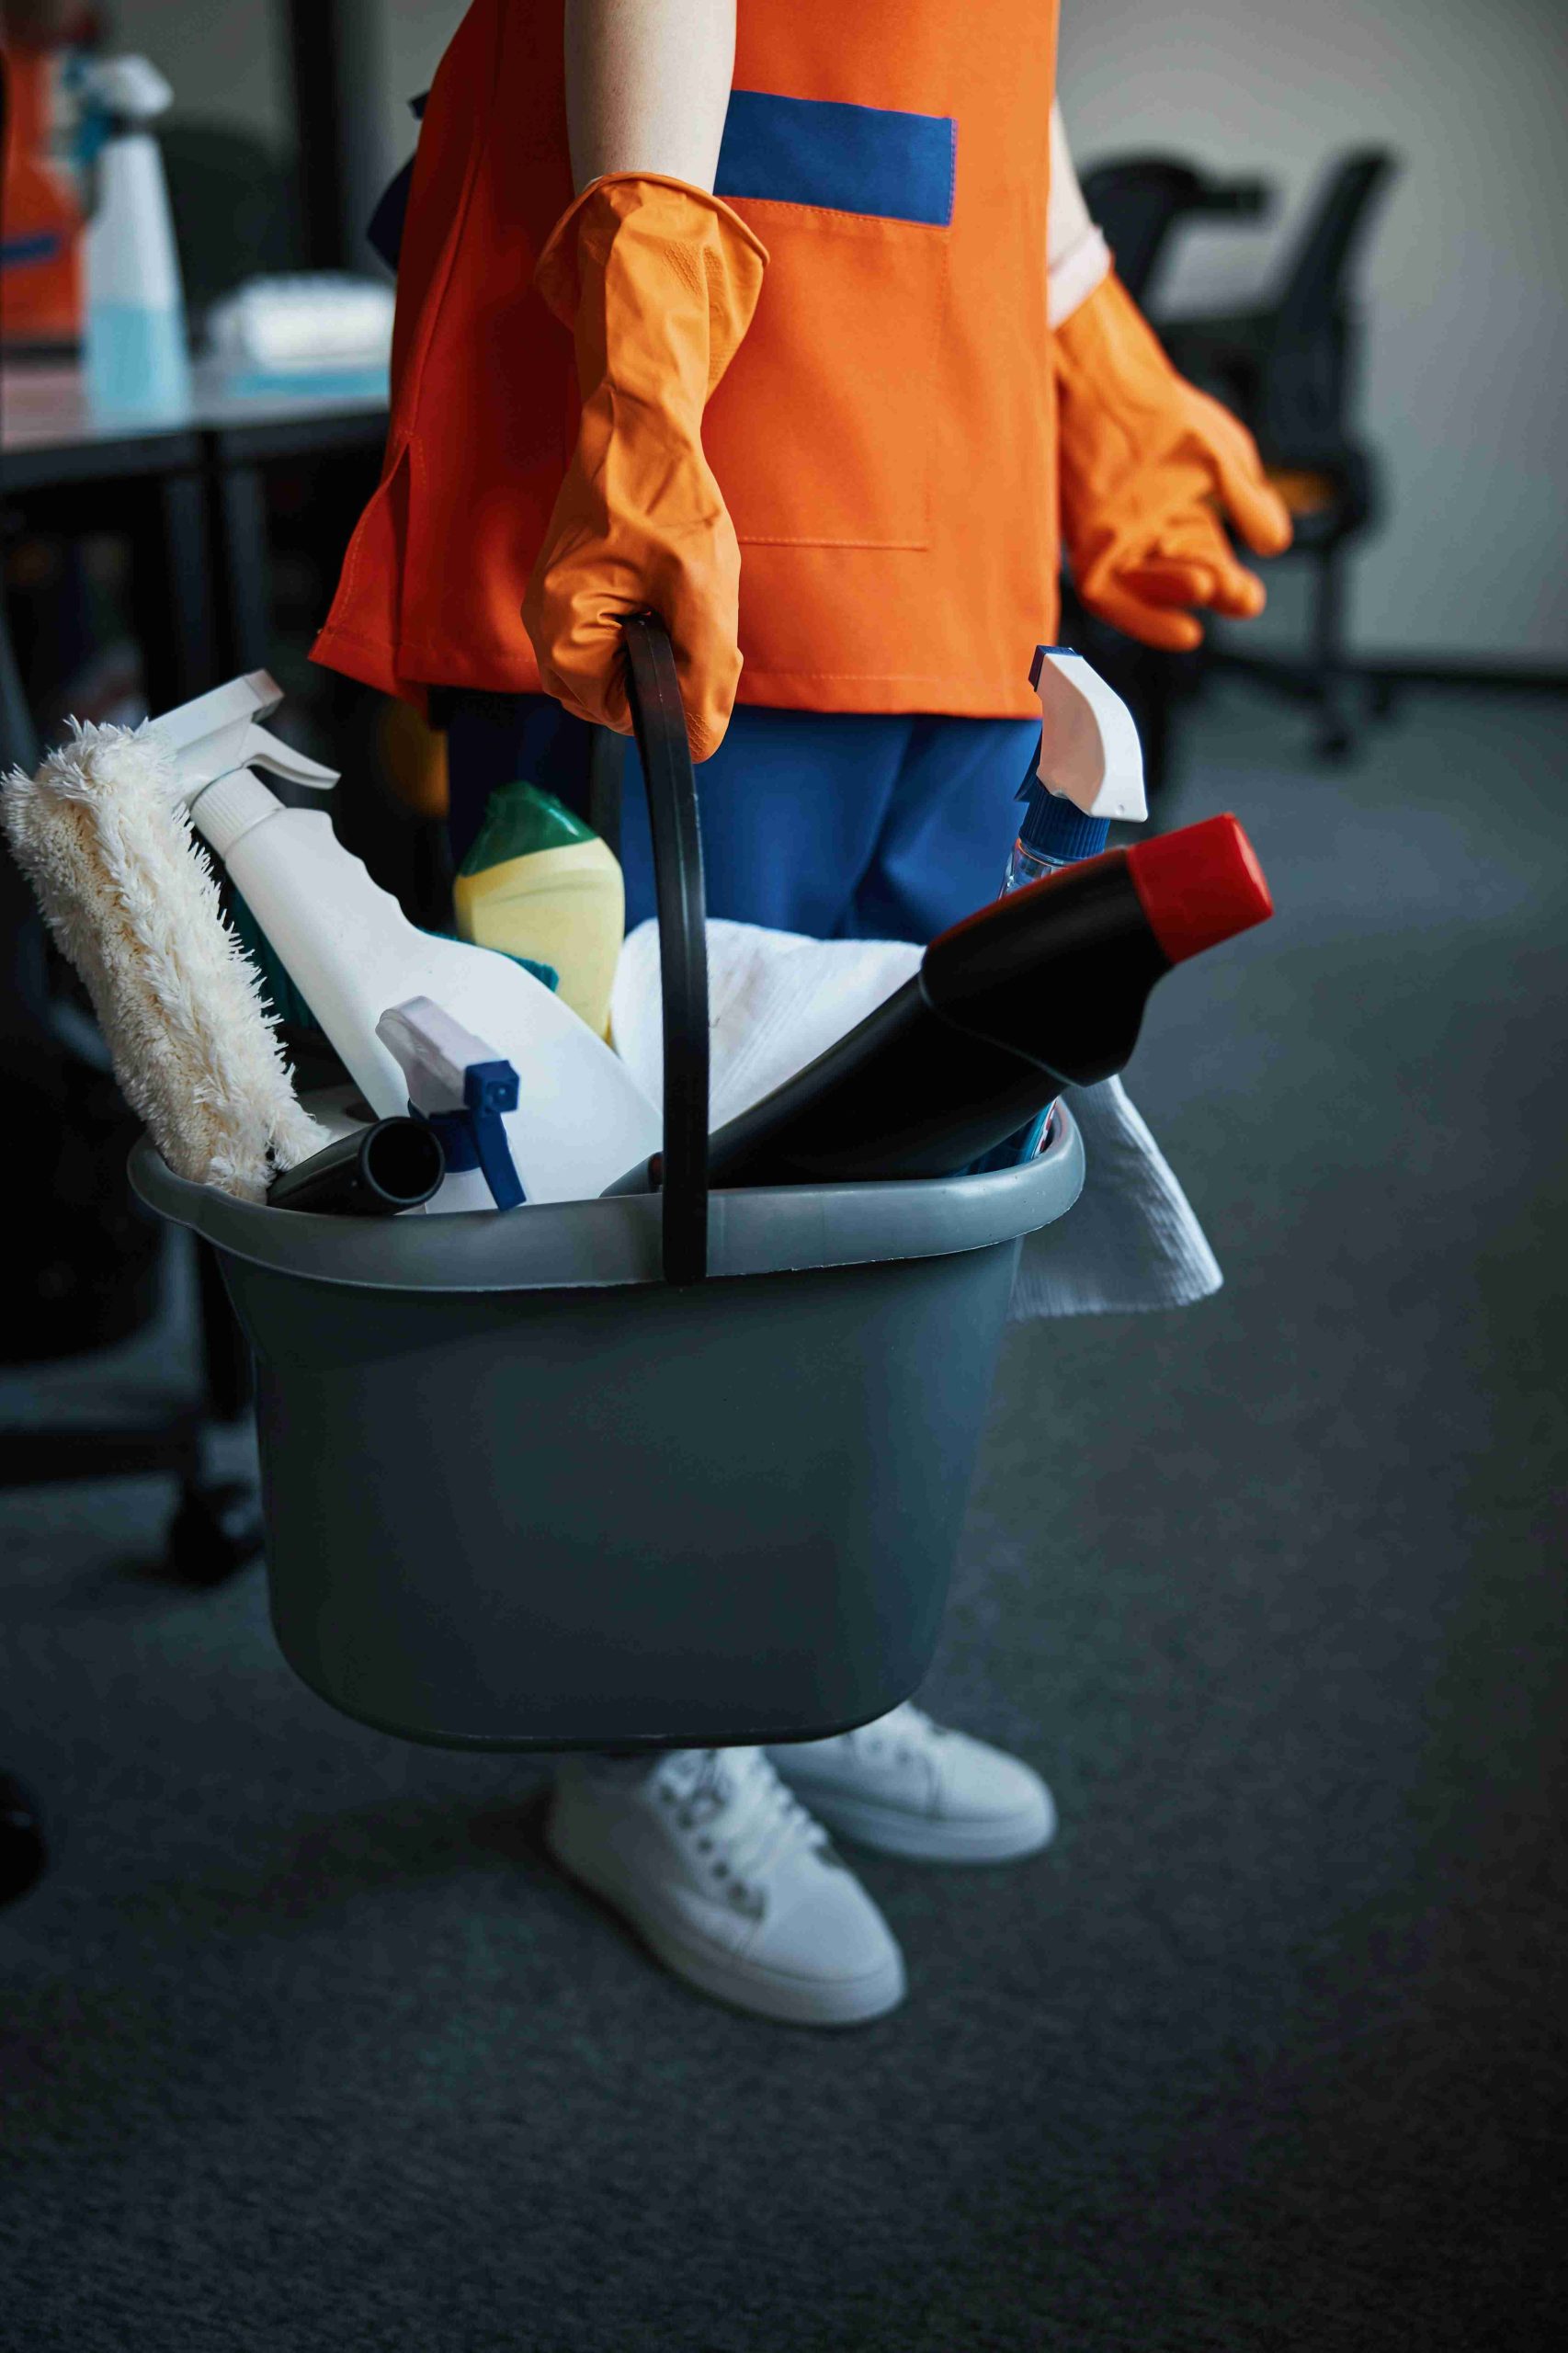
(377, 1171)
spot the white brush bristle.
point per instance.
(128, 894)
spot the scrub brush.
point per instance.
(102, 834)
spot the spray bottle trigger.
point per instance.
(1090, 749)
(218, 733)
(473, 1136)
(263, 751)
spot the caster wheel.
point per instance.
(1335, 745)
(23, 1853)
(215, 1531)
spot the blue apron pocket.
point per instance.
(821, 432)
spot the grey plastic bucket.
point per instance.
(522, 1493)
(679, 1470)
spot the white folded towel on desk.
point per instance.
(778, 1000)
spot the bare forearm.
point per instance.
(1075, 253)
(1067, 218)
(648, 86)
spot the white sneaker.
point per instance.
(913, 1788)
(730, 1882)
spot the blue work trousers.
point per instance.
(840, 826)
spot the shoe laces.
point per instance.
(740, 1817)
(907, 1731)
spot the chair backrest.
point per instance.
(1136, 201)
(1317, 272)
(1304, 391)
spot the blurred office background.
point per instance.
(1457, 297)
(302, 2044)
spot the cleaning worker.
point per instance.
(789, 322)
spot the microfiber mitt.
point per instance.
(103, 836)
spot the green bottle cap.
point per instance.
(520, 818)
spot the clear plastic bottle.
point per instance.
(1053, 834)
(135, 358)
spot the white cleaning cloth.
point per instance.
(776, 1001)
(312, 320)
(103, 837)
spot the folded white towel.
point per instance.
(778, 1000)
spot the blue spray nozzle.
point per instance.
(490, 1087)
(1054, 828)
(475, 1137)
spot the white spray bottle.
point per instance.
(459, 1087)
(137, 362)
(350, 949)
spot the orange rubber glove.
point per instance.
(1146, 460)
(658, 283)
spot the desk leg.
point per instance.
(174, 589)
(244, 568)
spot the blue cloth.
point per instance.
(840, 826)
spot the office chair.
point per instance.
(1137, 202)
(53, 1068)
(1286, 367)
(91, 1275)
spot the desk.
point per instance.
(244, 433)
(188, 488)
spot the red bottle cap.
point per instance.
(1199, 886)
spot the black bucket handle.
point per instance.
(658, 723)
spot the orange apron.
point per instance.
(885, 436)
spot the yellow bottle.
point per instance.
(540, 884)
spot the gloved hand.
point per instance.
(658, 283)
(1144, 458)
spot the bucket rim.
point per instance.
(617, 1244)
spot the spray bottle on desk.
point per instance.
(137, 362)
(1090, 770)
(350, 949)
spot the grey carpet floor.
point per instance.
(307, 2050)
